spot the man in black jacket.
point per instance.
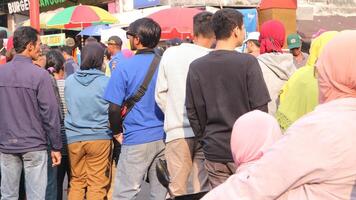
(221, 87)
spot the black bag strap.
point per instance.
(130, 102)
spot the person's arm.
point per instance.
(161, 86)
(195, 105)
(257, 90)
(48, 106)
(115, 94)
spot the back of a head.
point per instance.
(66, 49)
(54, 61)
(272, 36)
(147, 30)
(202, 25)
(23, 36)
(92, 56)
(248, 141)
(336, 68)
(90, 40)
(225, 21)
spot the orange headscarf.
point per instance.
(272, 36)
(337, 68)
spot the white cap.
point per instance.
(252, 36)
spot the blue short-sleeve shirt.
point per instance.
(144, 123)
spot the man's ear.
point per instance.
(30, 46)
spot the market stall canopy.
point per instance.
(81, 16)
(176, 22)
(95, 30)
(44, 18)
(115, 31)
(267, 4)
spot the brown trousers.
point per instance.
(185, 161)
(219, 172)
(90, 166)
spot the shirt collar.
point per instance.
(22, 58)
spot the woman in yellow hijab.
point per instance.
(299, 95)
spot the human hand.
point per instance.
(119, 137)
(56, 158)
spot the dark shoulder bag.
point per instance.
(131, 101)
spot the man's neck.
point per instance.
(115, 52)
(225, 45)
(203, 42)
(299, 57)
(26, 54)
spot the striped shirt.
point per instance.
(63, 107)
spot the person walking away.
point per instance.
(87, 127)
(28, 117)
(143, 135)
(300, 94)
(248, 144)
(295, 47)
(276, 66)
(70, 66)
(170, 96)
(221, 87)
(324, 168)
(252, 43)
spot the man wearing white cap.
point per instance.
(252, 44)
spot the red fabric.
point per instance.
(175, 22)
(2, 60)
(272, 36)
(290, 4)
(84, 14)
(10, 43)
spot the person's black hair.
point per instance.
(147, 30)
(256, 42)
(202, 24)
(54, 61)
(66, 49)
(23, 36)
(225, 21)
(92, 56)
(90, 39)
(107, 54)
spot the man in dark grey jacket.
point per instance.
(28, 118)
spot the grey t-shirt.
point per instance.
(303, 62)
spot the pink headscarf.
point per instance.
(252, 134)
(272, 36)
(337, 68)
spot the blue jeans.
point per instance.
(136, 163)
(51, 190)
(35, 166)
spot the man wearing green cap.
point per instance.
(295, 47)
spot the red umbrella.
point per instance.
(176, 22)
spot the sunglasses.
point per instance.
(129, 33)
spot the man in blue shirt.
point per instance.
(143, 135)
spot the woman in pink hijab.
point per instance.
(316, 159)
(252, 134)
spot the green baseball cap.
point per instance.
(293, 41)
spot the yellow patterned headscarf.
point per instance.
(299, 95)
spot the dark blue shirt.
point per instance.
(28, 108)
(144, 123)
(70, 66)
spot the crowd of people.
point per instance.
(264, 124)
